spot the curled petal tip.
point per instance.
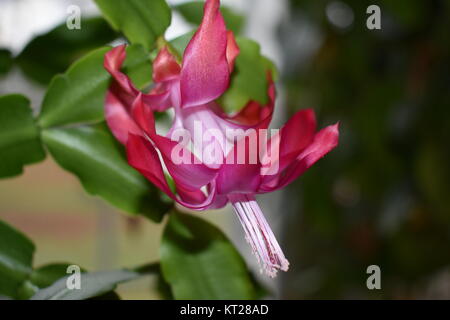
(233, 50)
(114, 58)
(165, 66)
(336, 127)
(333, 132)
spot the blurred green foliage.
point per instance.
(19, 280)
(193, 13)
(141, 21)
(211, 267)
(53, 52)
(6, 61)
(16, 256)
(249, 81)
(19, 136)
(382, 196)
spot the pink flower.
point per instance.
(191, 89)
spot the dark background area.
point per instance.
(382, 197)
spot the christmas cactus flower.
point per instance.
(213, 158)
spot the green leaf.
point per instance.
(53, 52)
(90, 152)
(249, 81)
(94, 156)
(45, 276)
(180, 43)
(93, 284)
(141, 21)
(19, 137)
(6, 61)
(16, 255)
(199, 262)
(193, 13)
(162, 286)
(138, 66)
(270, 66)
(78, 95)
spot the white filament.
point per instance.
(259, 234)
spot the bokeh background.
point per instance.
(381, 198)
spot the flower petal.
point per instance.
(219, 202)
(165, 66)
(238, 178)
(143, 156)
(158, 101)
(124, 87)
(293, 137)
(118, 117)
(143, 116)
(205, 73)
(232, 50)
(113, 62)
(324, 141)
(297, 133)
(241, 171)
(186, 170)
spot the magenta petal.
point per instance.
(219, 202)
(211, 116)
(118, 118)
(232, 50)
(205, 73)
(113, 62)
(297, 133)
(165, 67)
(143, 116)
(238, 178)
(158, 102)
(240, 173)
(187, 171)
(293, 137)
(124, 88)
(324, 141)
(144, 158)
(249, 115)
(253, 116)
(189, 196)
(115, 58)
